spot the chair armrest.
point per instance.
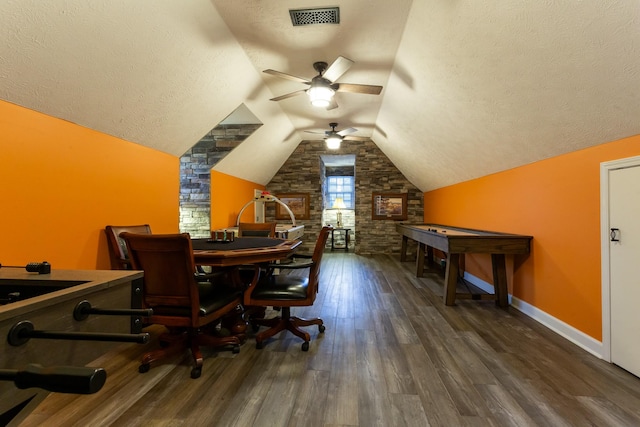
(293, 265)
(251, 286)
(201, 275)
(292, 258)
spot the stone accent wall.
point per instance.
(303, 172)
(195, 175)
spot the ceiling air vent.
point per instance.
(325, 15)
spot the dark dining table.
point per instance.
(242, 251)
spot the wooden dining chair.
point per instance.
(118, 254)
(258, 229)
(189, 309)
(286, 291)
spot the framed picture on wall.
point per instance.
(297, 202)
(389, 206)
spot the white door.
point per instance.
(624, 249)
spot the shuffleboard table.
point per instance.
(455, 242)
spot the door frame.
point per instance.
(605, 255)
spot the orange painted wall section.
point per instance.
(228, 195)
(62, 183)
(557, 201)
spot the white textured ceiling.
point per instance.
(470, 87)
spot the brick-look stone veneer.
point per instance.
(195, 175)
(303, 172)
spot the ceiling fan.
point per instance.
(323, 86)
(333, 138)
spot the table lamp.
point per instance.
(338, 204)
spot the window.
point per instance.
(340, 186)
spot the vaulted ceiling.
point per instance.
(470, 87)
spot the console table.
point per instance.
(346, 238)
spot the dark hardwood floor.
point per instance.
(392, 355)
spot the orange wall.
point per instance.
(62, 183)
(557, 201)
(228, 195)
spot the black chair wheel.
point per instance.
(259, 345)
(305, 346)
(321, 328)
(236, 349)
(196, 372)
(144, 368)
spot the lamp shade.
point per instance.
(333, 142)
(338, 203)
(320, 96)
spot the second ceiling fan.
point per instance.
(323, 87)
(333, 138)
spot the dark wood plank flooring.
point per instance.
(392, 355)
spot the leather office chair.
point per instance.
(286, 291)
(117, 248)
(119, 255)
(189, 309)
(258, 229)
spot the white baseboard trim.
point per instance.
(566, 331)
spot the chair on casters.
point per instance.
(258, 229)
(189, 309)
(286, 291)
(117, 248)
(119, 255)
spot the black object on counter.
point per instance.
(33, 267)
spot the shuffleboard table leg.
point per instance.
(500, 280)
(420, 260)
(451, 279)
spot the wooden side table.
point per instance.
(346, 239)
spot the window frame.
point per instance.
(347, 196)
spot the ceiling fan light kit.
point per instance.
(333, 142)
(334, 138)
(323, 87)
(320, 96)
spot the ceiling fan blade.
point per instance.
(316, 132)
(287, 76)
(347, 131)
(337, 68)
(356, 88)
(333, 104)
(355, 138)
(288, 95)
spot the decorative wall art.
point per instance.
(297, 202)
(389, 206)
